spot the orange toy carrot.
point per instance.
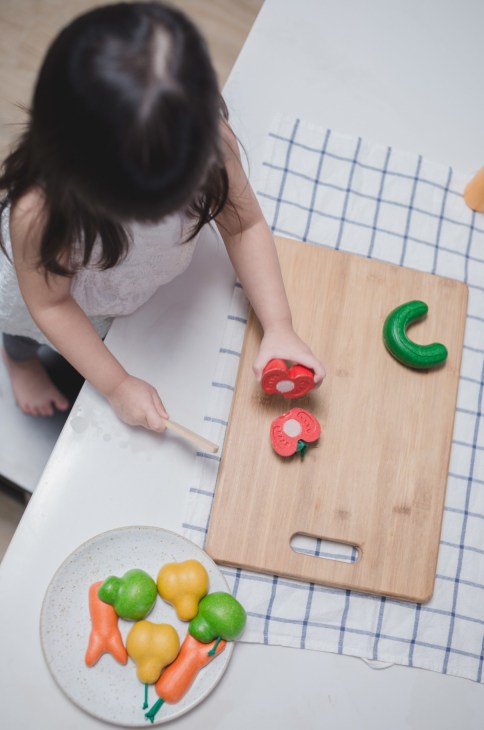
(105, 636)
(178, 677)
(474, 192)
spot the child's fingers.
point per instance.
(160, 408)
(259, 364)
(155, 422)
(309, 360)
(257, 369)
(156, 419)
(306, 359)
(313, 363)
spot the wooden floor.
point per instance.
(26, 29)
(28, 26)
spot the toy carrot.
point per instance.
(105, 636)
(177, 679)
(474, 192)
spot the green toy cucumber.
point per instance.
(398, 344)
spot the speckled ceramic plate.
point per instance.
(108, 690)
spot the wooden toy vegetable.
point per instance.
(474, 192)
(293, 431)
(183, 585)
(176, 680)
(220, 615)
(105, 636)
(401, 347)
(292, 382)
(152, 647)
(132, 596)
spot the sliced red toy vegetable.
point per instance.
(292, 382)
(293, 431)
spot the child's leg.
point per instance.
(33, 389)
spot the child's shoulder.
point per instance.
(27, 218)
(31, 204)
(229, 140)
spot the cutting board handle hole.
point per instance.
(328, 549)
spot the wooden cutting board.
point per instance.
(377, 478)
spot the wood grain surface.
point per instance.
(376, 479)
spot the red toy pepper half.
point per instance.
(290, 382)
(293, 431)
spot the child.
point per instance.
(126, 156)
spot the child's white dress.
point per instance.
(156, 256)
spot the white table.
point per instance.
(401, 73)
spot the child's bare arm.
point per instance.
(67, 327)
(251, 248)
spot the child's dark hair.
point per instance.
(124, 125)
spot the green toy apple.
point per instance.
(219, 615)
(132, 596)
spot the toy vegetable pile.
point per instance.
(155, 648)
(293, 431)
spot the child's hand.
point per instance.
(282, 342)
(137, 403)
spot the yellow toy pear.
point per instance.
(152, 647)
(183, 585)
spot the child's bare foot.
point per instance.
(32, 387)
